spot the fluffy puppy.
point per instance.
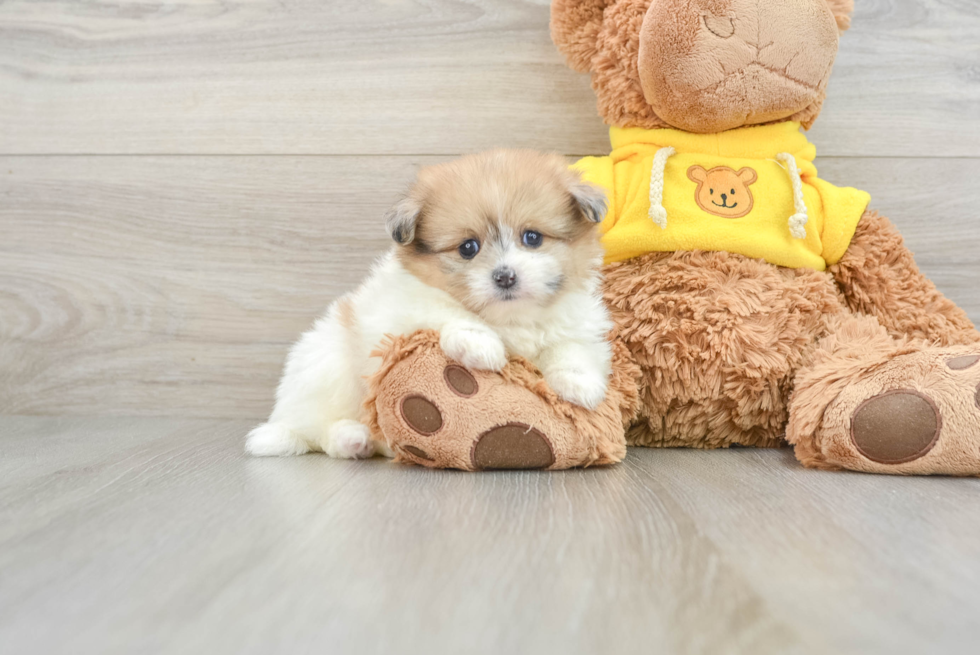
(496, 251)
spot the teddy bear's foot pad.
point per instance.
(512, 446)
(896, 426)
(917, 414)
(421, 414)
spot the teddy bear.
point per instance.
(754, 303)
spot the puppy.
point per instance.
(499, 253)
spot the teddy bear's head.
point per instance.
(703, 65)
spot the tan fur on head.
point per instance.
(493, 199)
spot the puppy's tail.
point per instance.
(275, 440)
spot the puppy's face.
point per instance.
(502, 232)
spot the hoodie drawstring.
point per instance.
(797, 222)
(657, 212)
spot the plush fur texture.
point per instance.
(879, 277)
(712, 65)
(722, 340)
(859, 361)
(718, 338)
(738, 351)
(651, 60)
(549, 311)
(414, 365)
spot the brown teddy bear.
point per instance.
(754, 302)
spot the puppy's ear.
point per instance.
(590, 200)
(402, 219)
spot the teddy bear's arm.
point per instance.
(878, 277)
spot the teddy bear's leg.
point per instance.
(433, 412)
(869, 402)
(894, 387)
(878, 277)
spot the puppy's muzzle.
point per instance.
(505, 278)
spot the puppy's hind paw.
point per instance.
(349, 440)
(584, 389)
(274, 440)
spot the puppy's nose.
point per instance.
(504, 278)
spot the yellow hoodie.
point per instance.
(752, 191)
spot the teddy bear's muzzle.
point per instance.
(713, 65)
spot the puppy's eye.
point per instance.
(469, 248)
(532, 239)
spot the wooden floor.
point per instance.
(159, 535)
(185, 185)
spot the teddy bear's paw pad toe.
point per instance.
(418, 452)
(512, 446)
(421, 414)
(962, 362)
(460, 381)
(896, 426)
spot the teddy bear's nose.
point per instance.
(724, 197)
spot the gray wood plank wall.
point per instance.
(183, 187)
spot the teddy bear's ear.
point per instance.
(842, 10)
(748, 176)
(697, 174)
(575, 28)
(402, 219)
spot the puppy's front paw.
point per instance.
(476, 348)
(584, 388)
